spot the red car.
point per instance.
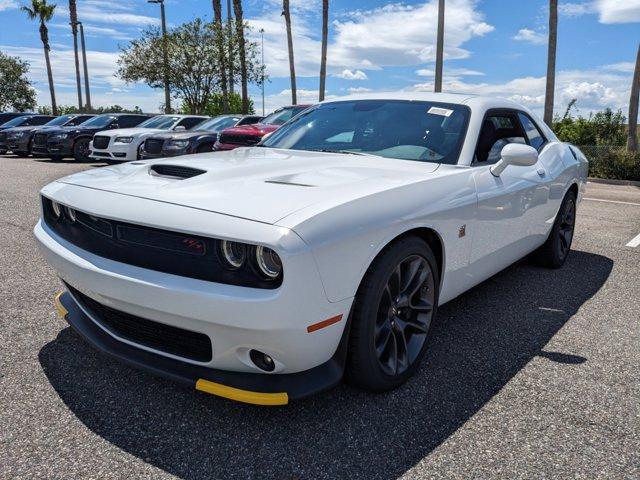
(248, 135)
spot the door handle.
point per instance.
(542, 172)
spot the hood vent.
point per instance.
(175, 171)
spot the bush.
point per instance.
(613, 162)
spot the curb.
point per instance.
(608, 181)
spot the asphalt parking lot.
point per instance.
(533, 374)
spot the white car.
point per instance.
(264, 274)
(123, 144)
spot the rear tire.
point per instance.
(394, 309)
(554, 252)
(81, 150)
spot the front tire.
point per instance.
(81, 150)
(393, 312)
(555, 250)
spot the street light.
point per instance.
(262, 52)
(165, 57)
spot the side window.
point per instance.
(535, 137)
(497, 130)
(189, 122)
(128, 121)
(40, 120)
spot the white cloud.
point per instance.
(8, 5)
(530, 36)
(359, 90)
(109, 12)
(451, 72)
(575, 9)
(283, 97)
(95, 31)
(618, 11)
(347, 74)
(369, 39)
(624, 67)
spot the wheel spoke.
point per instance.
(402, 360)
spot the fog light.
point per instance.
(262, 360)
(71, 213)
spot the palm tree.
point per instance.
(632, 140)
(323, 58)
(73, 16)
(40, 10)
(219, 35)
(237, 10)
(551, 62)
(292, 68)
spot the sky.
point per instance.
(492, 47)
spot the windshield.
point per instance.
(281, 116)
(99, 121)
(217, 124)
(407, 130)
(59, 120)
(161, 122)
(16, 121)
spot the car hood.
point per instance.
(29, 128)
(257, 129)
(260, 184)
(129, 132)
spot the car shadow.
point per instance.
(482, 340)
(69, 160)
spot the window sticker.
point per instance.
(445, 112)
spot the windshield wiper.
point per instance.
(350, 152)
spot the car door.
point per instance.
(512, 208)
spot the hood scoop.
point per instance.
(178, 172)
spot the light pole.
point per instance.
(262, 52)
(165, 57)
(84, 66)
(437, 85)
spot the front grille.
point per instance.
(100, 141)
(40, 139)
(159, 336)
(191, 256)
(176, 171)
(236, 139)
(153, 145)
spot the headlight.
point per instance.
(57, 209)
(268, 262)
(234, 253)
(123, 140)
(178, 143)
(71, 214)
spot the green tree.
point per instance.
(194, 72)
(216, 105)
(16, 92)
(605, 128)
(69, 109)
(634, 98)
(41, 11)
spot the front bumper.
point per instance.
(255, 388)
(19, 144)
(60, 147)
(165, 153)
(121, 152)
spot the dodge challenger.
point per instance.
(269, 273)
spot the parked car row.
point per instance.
(121, 137)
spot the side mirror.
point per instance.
(516, 154)
(179, 128)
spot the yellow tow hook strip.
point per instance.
(239, 395)
(63, 312)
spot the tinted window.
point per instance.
(99, 122)
(408, 130)
(248, 120)
(189, 122)
(16, 122)
(536, 140)
(78, 120)
(161, 122)
(61, 120)
(129, 121)
(497, 131)
(281, 116)
(41, 120)
(218, 123)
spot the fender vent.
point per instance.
(175, 171)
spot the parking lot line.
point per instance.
(635, 241)
(611, 201)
